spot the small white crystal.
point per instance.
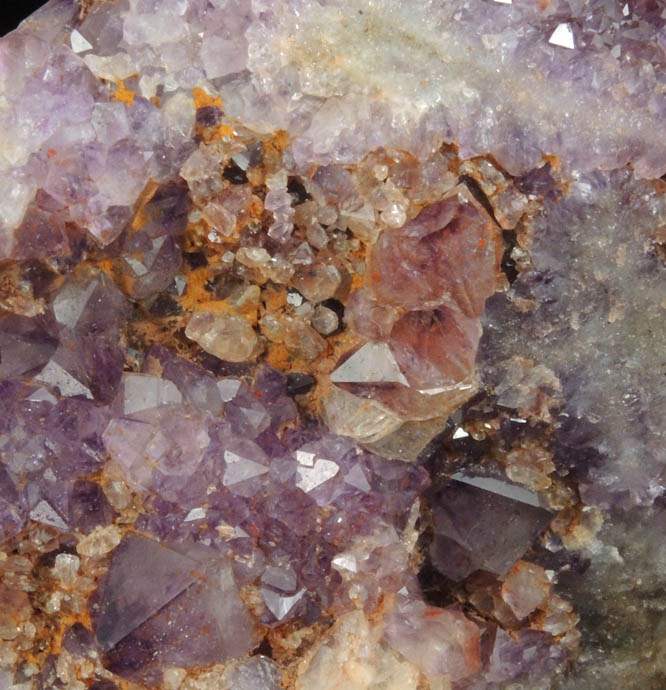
(44, 513)
(310, 478)
(239, 469)
(227, 336)
(305, 458)
(380, 171)
(280, 605)
(324, 320)
(562, 36)
(78, 42)
(228, 388)
(460, 433)
(100, 541)
(195, 514)
(111, 67)
(365, 420)
(345, 561)
(180, 283)
(625, 10)
(372, 363)
(66, 567)
(433, 391)
(253, 256)
(49, 475)
(42, 395)
(54, 375)
(142, 392)
(294, 298)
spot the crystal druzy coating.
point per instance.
(331, 345)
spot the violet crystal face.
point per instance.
(332, 345)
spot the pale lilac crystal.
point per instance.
(529, 654)
(438, 641)
(157, 442)
(80, 506)
(196, 384)
(150, 263)
(247, 414)
(584, 324)
(270, 384)
(283, 579)
(241, 468)
(42, 234)
(85, 366)
(142, 392)
(62, 437)
(92, 306)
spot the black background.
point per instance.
(13, 11)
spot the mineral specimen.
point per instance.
(331, 345)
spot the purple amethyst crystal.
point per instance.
(88, 507)
(478, 529)
(185, 599)
(25, 345)
(78, 640)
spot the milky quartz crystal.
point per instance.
(331, 345)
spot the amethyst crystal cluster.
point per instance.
(331, 345)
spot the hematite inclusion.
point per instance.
(252, 433)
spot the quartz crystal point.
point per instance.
(443, 265)
(478, 529)
(254, 256)
(143, 578)
(187, 601)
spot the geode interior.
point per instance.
(331, 345)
